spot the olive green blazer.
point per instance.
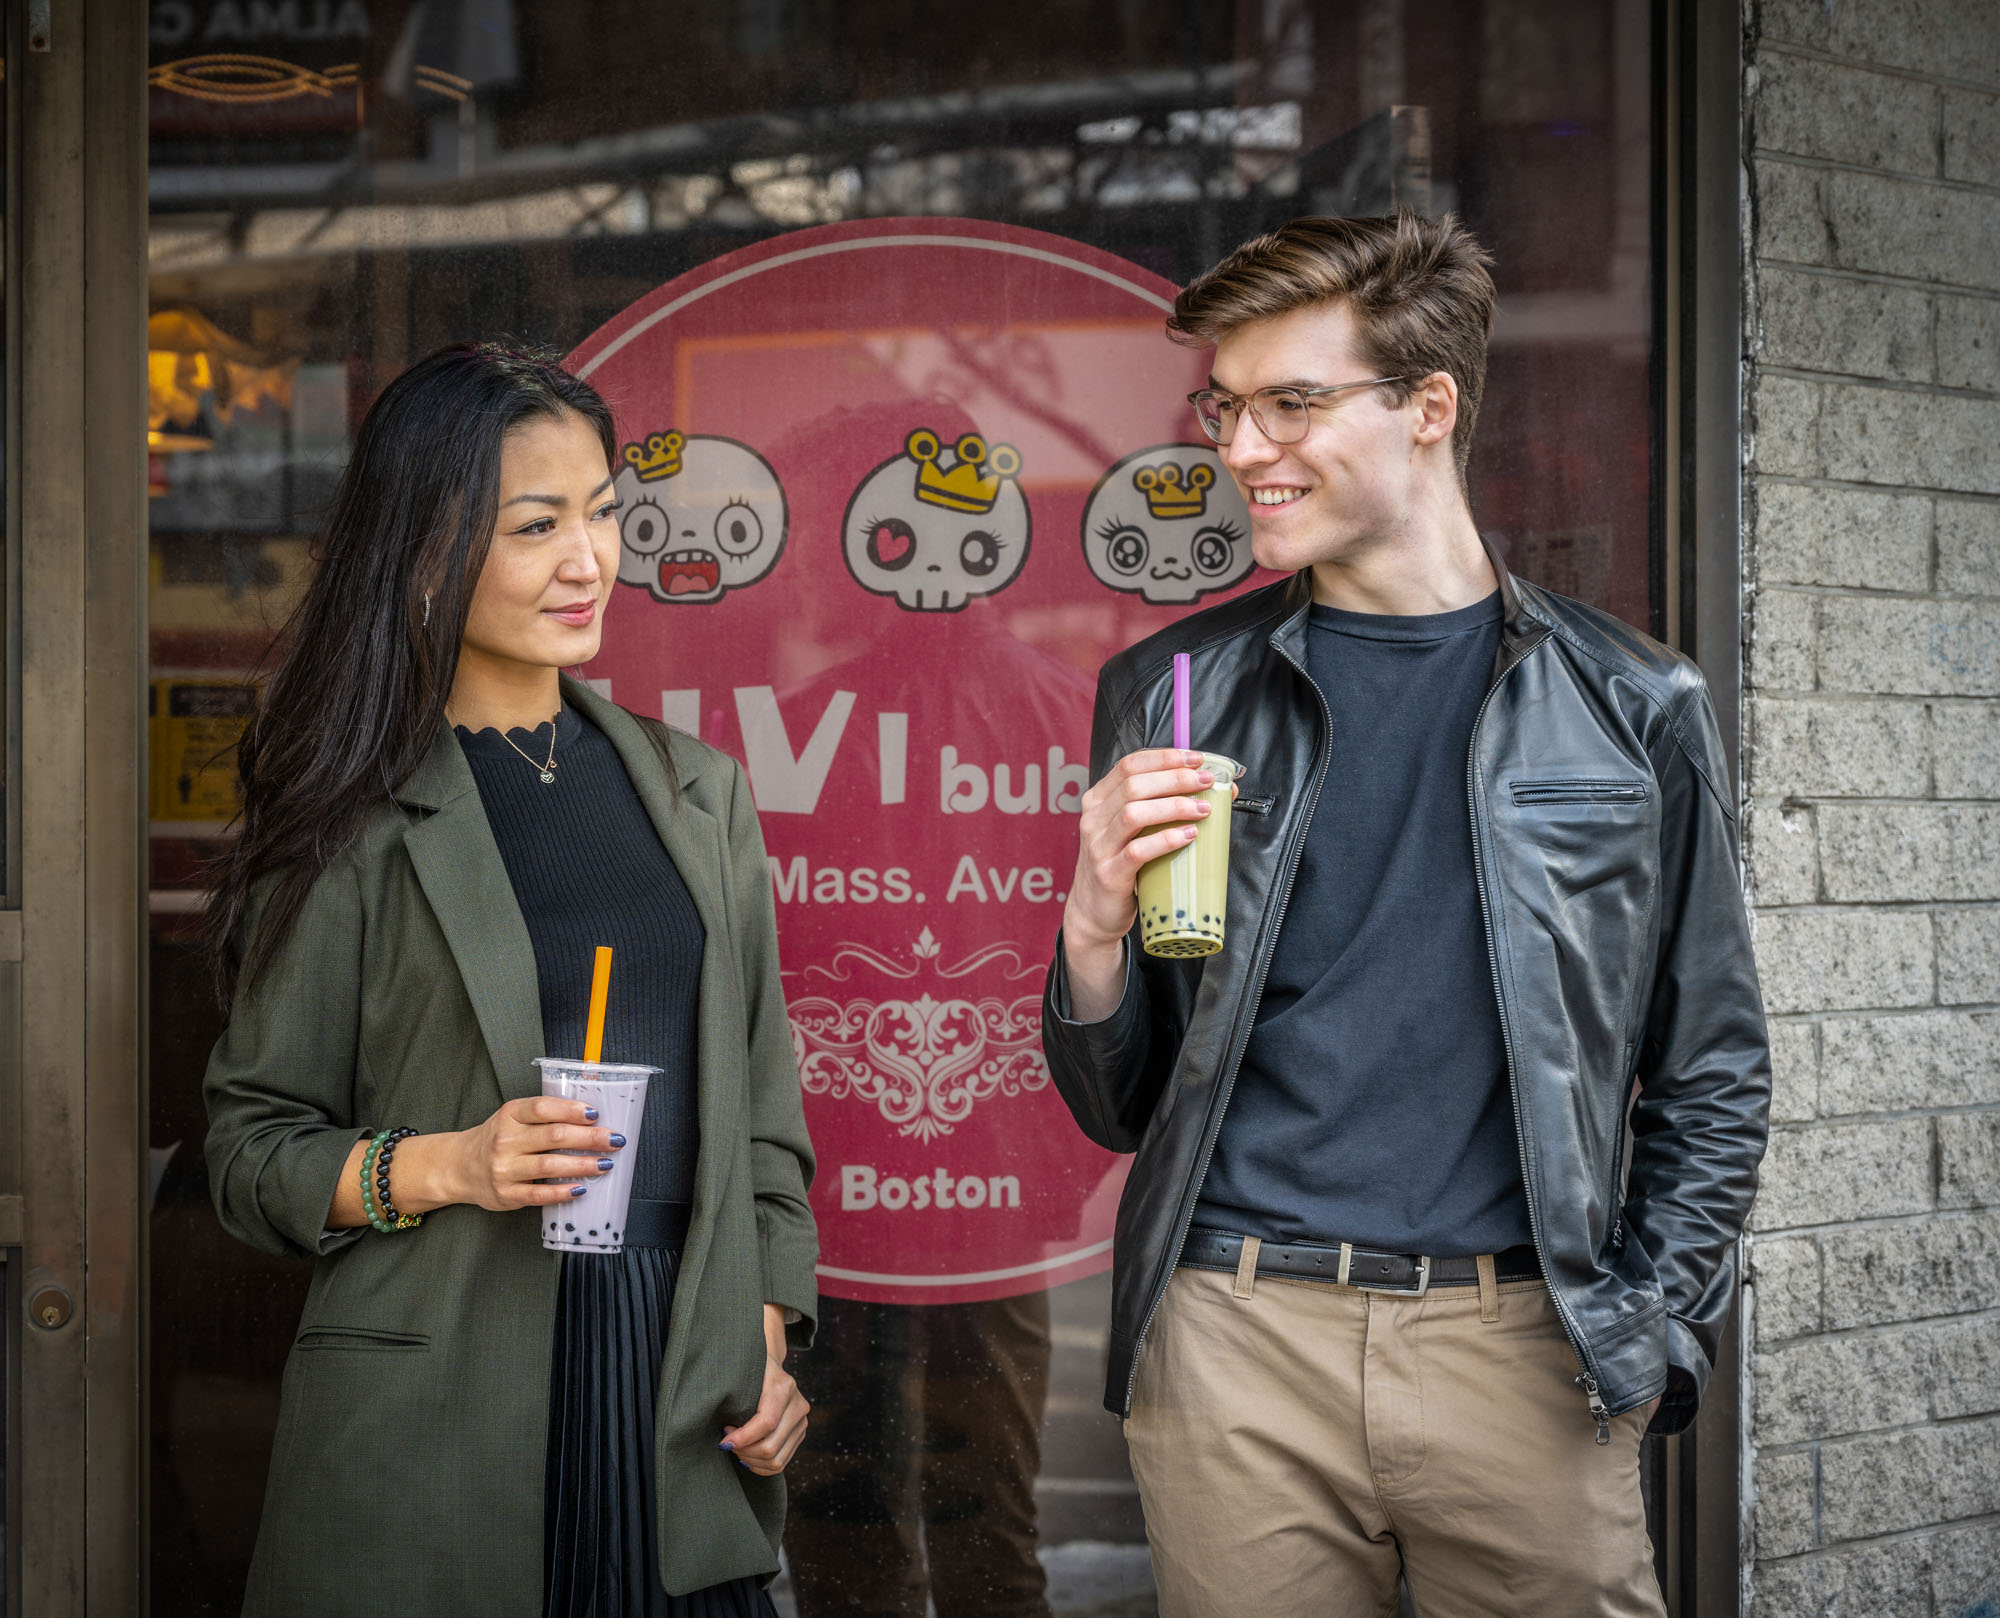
(407, 1471)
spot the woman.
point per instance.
(438, 827)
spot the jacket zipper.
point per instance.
(1618, 1185)
(1577, 792)
(1239, 1037)
(1618, 1158)
(1588, 1379)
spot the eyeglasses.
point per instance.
(1283, 415)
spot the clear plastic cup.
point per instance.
(595, 1222)
(1184, 896)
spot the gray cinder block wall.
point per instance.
(1872, 764)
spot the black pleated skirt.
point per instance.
(601, 1549)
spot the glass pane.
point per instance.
(9, 858)
(827, 266)
(10, 1151)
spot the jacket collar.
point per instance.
(442, 776)
(630, 740)
(1520, 630)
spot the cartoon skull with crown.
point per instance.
(699, 516)
(933, 533)
(1168, 525)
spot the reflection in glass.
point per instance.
(338, 188)
(919, 1484)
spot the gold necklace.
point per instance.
(547, 770)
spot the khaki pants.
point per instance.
(1298, 1448)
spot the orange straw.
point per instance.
(600, 992)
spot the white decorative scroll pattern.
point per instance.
(923, 1062)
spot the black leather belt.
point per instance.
(657, 1224)
(1411, 1274)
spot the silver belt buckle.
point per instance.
(1423, 1282)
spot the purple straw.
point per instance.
(1181, 701)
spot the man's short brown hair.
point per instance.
(1418, 287)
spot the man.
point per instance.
(1388, 1298)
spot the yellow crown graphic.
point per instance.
(972, 482)
(1170, 493)
(659, 457)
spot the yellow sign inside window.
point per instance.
(196, 724)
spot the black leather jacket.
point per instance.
(1601, 817)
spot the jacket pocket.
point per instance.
(1578, 791)
(1253, 806)
(365, 1338)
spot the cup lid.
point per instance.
(595, 1070)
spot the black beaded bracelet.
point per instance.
(375, 1201)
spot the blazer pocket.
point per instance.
(364, 1338)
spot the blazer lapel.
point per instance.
(694, 841)
(463, 877)
(690, 834)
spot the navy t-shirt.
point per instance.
(1372, 1104)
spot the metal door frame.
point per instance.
(1699, 608)
(73, 1085)
(1711, 481)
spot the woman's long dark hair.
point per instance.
(367, 659)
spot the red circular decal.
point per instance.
(890, 493)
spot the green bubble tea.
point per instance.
(1183, 895)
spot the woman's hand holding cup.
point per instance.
(498, 1165)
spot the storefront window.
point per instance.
(10, 1155)
(877, 300)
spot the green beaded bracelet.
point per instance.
(375, 1201)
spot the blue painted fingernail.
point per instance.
(725, 1444)
(604, 1164)
(617, 1140)
(590, 1113)
(576, 1190)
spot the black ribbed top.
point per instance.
(588, 868)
